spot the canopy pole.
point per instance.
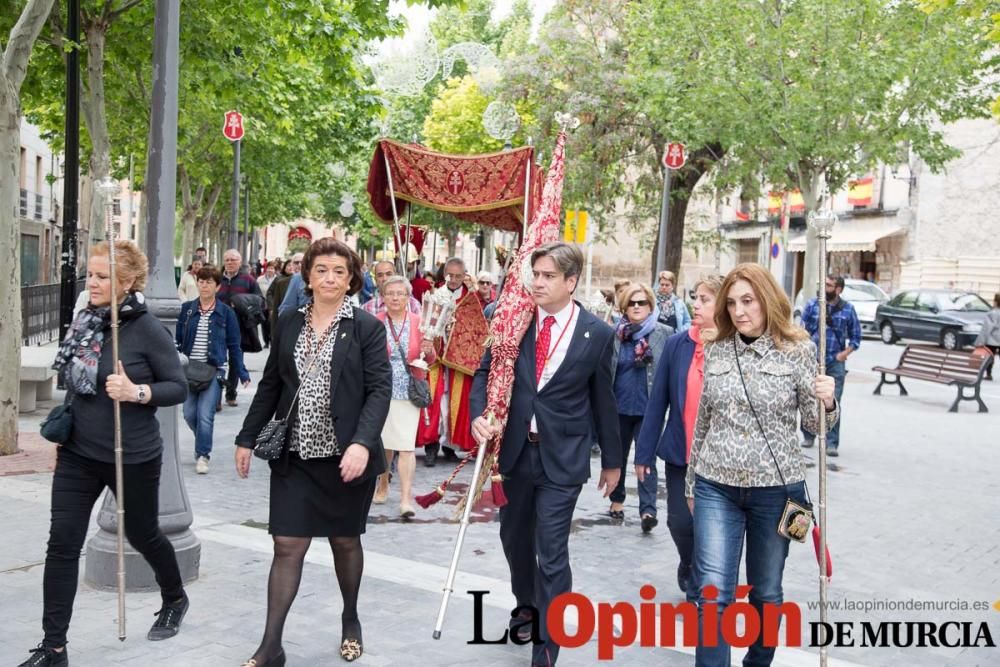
(395, 214)
(527, 194)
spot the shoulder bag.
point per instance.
(270, 442)
(796, 517)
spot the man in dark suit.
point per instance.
(561, 401)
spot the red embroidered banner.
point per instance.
(484, 189)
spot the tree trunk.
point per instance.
(92, 103)
(682, 186)
(10, 259)
(809, 185)
(142, 227)
(13, 68)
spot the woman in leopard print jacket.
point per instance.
(745, 458)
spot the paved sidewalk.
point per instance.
(914, 509)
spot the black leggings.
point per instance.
(77, 484)
(629, 427)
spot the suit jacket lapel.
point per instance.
(578, 345)
(528, 355)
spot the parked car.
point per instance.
(950, 318)
(863, 295)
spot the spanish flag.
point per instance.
(859, 191)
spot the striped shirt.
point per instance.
(199, 348)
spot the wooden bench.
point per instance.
(964, 370)
(35, 378)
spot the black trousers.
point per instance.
(232, 382)
(534, 531)
(679, 519)
(629, 427)
(76, 485)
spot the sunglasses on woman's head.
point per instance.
(638, 304)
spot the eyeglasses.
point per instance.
(638, 304)
(485, 282)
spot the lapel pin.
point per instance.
(586, 334)
(343, 335)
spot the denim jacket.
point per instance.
(223, 334)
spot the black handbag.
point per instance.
(270, 442)
(200, 375)
(418, 390)
(58, 425)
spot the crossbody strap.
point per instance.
(757, 419)
(312, 360)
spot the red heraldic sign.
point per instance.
(674, 156)
(233, 127)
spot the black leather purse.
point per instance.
(270, 442)
(418, 390)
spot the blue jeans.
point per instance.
(629, 427)
(199, 413)
(647, 491)
(723, 515)
(838, 371)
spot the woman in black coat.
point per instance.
(148, 376)
(323, 482)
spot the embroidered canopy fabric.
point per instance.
(485, 189)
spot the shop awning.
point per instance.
(853, 235)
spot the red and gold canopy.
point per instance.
(484, 189)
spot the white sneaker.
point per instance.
(201, 465)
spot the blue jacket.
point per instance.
(843, 331)
(296, 296)
(223, 334)
(669, 392)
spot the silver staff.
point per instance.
(107, 188)
(823, 223)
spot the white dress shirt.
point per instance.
(559, 340)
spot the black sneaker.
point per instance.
(46, 657)
(649, 522)
(832, 451)
(430, 455)
(683, 577)
(168, 620)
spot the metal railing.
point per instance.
(40, 312)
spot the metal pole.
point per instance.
(245, 245)
(527, 195)
(453, 568)
(175, 516)
(71, 172)
(234, 213)
(395, 214)
(823, 233)
(661, 242)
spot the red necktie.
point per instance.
(542, 346)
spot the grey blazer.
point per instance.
(657, 339)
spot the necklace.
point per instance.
(392, 328)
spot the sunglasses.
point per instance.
(485, 282)
(638, 304)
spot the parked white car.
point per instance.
(863, 295)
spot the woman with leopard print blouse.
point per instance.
(322, 484)
(734, 486)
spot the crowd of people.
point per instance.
(719, 392)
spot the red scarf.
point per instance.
(695, 383)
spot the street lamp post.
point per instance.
(175, 510)
(822, 222)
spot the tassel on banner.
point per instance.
(431, 498)
(496, 490)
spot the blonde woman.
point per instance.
(760, 377)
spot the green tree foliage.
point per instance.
(809, 93)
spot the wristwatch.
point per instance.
(142, 394)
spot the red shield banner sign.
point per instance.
(233, 127)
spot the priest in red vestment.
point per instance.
(446, 426)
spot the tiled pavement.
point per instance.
(914, 513)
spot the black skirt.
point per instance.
(312, 500)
